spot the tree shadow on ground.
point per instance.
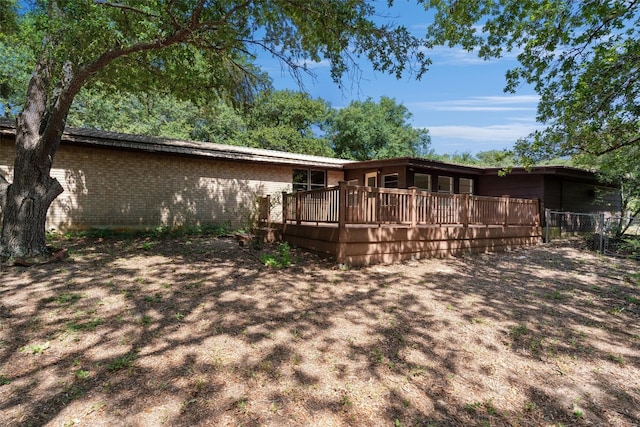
(197, 331)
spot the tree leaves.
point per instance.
(368, 130)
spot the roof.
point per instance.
(415, 162)
(152, 144)
(100, 138)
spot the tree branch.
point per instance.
(614, 147)
(125, 7)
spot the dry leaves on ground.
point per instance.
(197, 331)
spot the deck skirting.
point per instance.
(362, 245)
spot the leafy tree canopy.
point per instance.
(368, 130)
(194, 49)
(288, 121)
(581, 57)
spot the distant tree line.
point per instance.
(278, 120)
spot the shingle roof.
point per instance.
(153, 144)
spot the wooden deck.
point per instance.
(364, 225)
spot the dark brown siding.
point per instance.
(518, 186)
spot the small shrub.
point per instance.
(281, 259)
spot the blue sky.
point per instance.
(460, 100)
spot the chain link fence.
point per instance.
(613, 236)
(621, 237)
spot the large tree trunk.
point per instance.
(26, 204)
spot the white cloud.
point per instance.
(509, 132)
(480, 103)
(312, 65)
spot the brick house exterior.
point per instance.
(122, 181)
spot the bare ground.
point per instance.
(197, 331)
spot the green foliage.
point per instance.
(36, 349)
(123, 362)
(173, 47)
(82, 374)
(581, 57)
(64, 298)
(288, 121)
(4, 380)
(620, 168)
(368, 130)
(90, 325)
(281, 259)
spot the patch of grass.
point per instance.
(377, 355)
(84, 326)
(186, 403)
(64, 298)
(518, 331)
(147, 246)
(345, 401)
(156, 298)
(122, 362)
(240, 405)
(472, 407)
(36, 349)
(4, 380)
(82, 374)
(146, 320)
(632, 300)
(619, 359)
(633, 278)
(556, 295)
(417, 371)
(616, 310)
(158, 232)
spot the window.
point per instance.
(305, 179)
(422, 181)
(466, 186)
(371, 179)
(445, 184)
(317, 180)
(390, 181)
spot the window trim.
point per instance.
(470, 180)
(308, 185)
(450, 179)
(397, 180)
(428, 175)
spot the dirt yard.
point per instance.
(197, 331)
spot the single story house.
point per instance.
(128, 181)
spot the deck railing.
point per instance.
(352, 204)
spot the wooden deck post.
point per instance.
(298, 207)
(285, 207)
(264, 209)
(506, 209)
(342, 204)
(465, 210)
(413, 206)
